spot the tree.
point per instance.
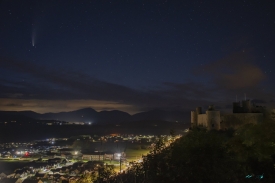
(88, 178)
(210, 156)
(254, 148)
(81, 144)
(106, 172)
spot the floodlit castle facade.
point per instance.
(243, 112)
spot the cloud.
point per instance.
(43, 83)
(43, 106)
(234, 77)
(189, 90)
(244, 76)
(53, 90)
(259, 101)
(12, 105)
(236, 71)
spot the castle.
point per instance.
(243, 112)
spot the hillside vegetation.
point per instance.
(245, 155)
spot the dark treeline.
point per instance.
(244, 155)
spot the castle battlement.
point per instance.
(243, 112)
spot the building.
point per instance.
(93, 156)
(243, 112)
(100, 156)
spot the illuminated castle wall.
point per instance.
(214, 120)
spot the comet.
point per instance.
(33, 39)
(33, 35)
(33, 42)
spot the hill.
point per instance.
(89, 115)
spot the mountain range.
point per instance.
(89, 115)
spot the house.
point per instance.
(2, 176)
(109, 155)
(104, 155)
(93, 156)
(40, 175)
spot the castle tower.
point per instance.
(194, 119)
(237, 107)
(213, 118)
(194, 116)
(198, 110)
(246, 104)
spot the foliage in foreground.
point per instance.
(206, 156)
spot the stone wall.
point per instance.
(213, 120)
(194, 118)
(236, 120)
(202, 120)
(272, 114)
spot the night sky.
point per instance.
(135, 55)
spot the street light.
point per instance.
(119, 155)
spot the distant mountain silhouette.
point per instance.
(81, 115)
(114, 116)
(103, 117)
(30, 125)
